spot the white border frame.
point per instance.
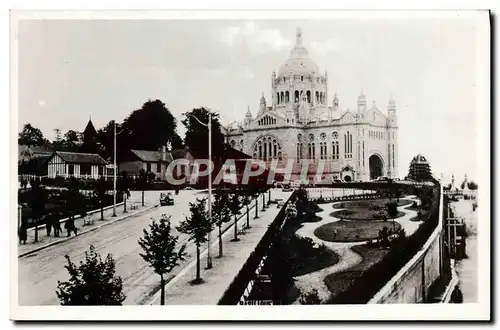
(477, 311)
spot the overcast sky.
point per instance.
(70, 69)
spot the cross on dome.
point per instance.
(298, 40)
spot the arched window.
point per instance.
(282, 97)
(278, 97)
(313, 151)
(296, 96)
(301, 78)
(284, 79)
(317, 97)
(308, 93)
(287, 97)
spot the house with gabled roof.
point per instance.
(76, 164)
(150, 161)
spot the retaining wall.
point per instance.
(411, 284)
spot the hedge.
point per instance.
(374, 278)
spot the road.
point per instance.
(39, 273)
(467, 268)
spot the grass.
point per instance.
(353, 231)
(366, 209)
(364, 214)
(380, 203)
(341, 281)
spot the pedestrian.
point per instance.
(70, 227)
(48, 223)
(457, 296)
(56, 224)
(23, 234)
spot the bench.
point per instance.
(88, 221)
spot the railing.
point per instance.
(383, 295)
(62, 221)
(236, 290)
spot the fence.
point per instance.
(412, 282)
(96, 211)
(237, 288)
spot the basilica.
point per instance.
(302, 122)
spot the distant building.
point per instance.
(76, 164)
(303, 122)
(420, 169)
(183, 170)
(155, 162)
(89, 138)
(33, 159)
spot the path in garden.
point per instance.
(347, 257)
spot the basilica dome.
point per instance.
(299, 62)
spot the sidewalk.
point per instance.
(179, 291)
(45, 241)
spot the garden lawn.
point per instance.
(341, 281)
(353, 231)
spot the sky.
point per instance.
(69, 70)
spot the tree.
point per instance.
(195, 132)
(100, 187)
(124, 188)
(143, 180)
(301, 201)
(105, 139)
(383, 237)
(150, 127)
(74, 199)
(472, 185)
(160, 250)
(392, 211)
(280, 267)
(310, 298)
(37, 200)
(221, 214)
(197, 226)
(58, 142)
(425, 194)
(31, 136)
(247, 201)
(177, 142)
(235, 210)
(93, 282)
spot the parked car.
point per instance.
(166, 199)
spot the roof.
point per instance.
(419, 159)
(180, 153)
(80, 158)
(152, 156)
(299, 61)
(90, 128)
(25, 153)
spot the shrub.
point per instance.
(374, 278)
(310, 298)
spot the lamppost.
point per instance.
(114, 166)
(209, 125)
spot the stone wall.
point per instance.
(411, 284)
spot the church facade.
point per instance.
(301, 123)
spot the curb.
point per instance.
(84, 232)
